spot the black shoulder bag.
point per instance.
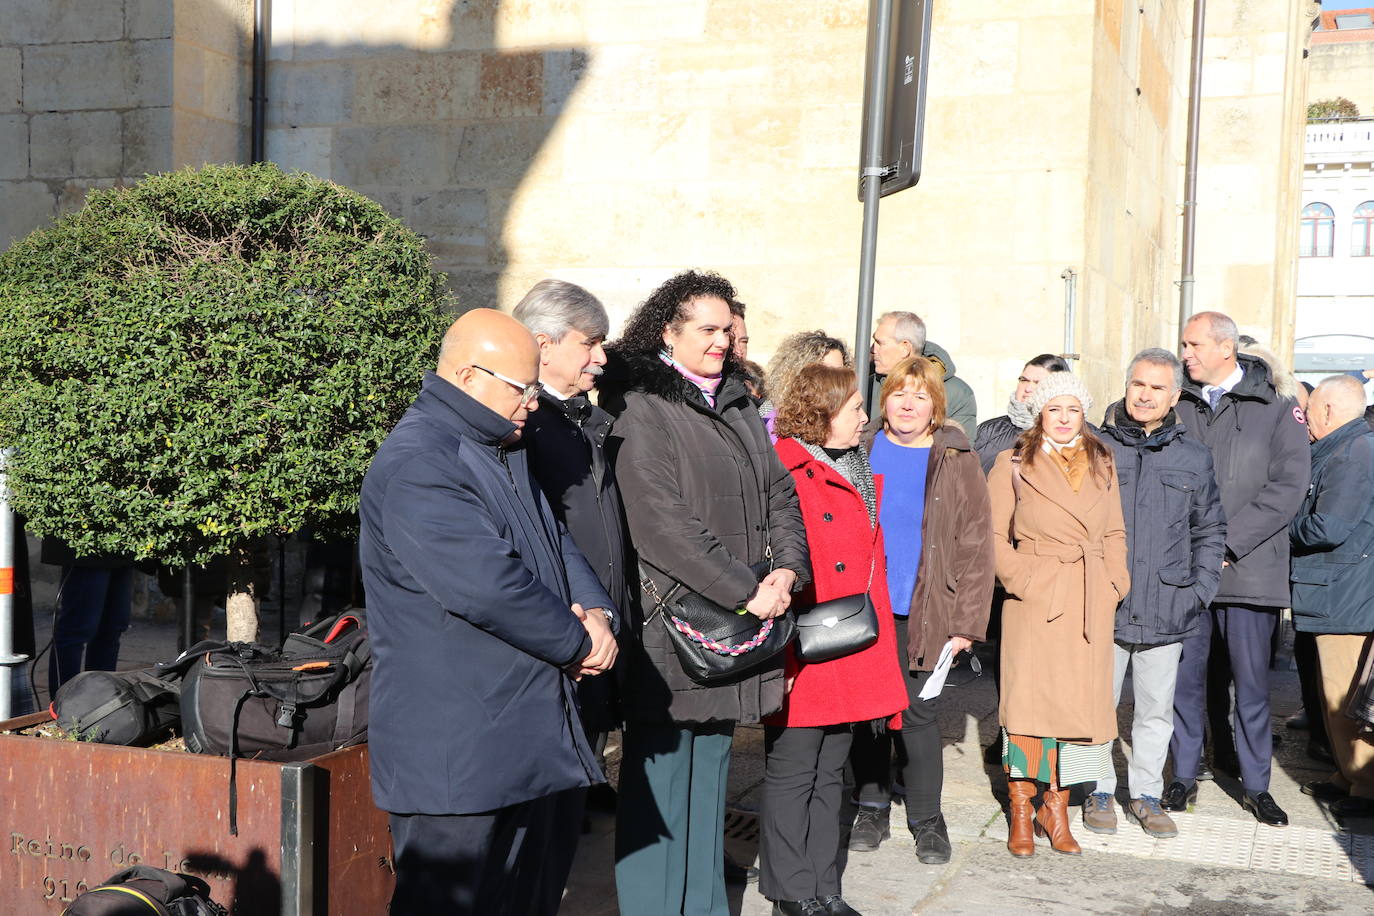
(717, 645)
(839, 627)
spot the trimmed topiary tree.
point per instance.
(207, 358)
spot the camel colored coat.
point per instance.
(1061, 556)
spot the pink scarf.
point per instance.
(707, 386)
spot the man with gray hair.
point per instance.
(1333, 580)
(566, 443)
(1176, 535)
(1258, 440)
(902, 335)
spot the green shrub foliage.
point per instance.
(1327, 109)
(207, 357)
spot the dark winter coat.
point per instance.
(1333, 536)
(954, 579)
(1175, 528)
(845, 548)
(960, 404)
(994, 436)
(566, 444)
(470, 580)
(700, 484)
(1260, 454)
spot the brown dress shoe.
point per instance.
(1053, 821)
(1020, 838)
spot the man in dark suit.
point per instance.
(566, 443)
(482, 612)
(1258, 440)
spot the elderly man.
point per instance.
(1176, 532)
(1333, 580)
(901, 335)
(566, 443)
(1258, 441)
(482, 611)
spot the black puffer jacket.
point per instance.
(1260, 453)
(566, 444)
(1175, 528)
(994, 437)
(699, 485)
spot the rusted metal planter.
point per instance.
(310, 841)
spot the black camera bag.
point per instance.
(134, 708)
(146, 891)
(305, 699)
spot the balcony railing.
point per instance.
(1325, 138)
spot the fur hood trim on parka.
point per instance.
(646, 373)
(1284, 382)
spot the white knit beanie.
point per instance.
(1057, 384)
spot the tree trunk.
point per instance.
(241, 607)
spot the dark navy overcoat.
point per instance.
(470, 580)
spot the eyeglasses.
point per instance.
(965, 670)
(527, 392)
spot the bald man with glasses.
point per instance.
(482, 614)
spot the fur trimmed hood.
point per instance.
(1285, 383)
(646, 373)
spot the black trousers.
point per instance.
(510, 862)
(803, 790)
(919, 751)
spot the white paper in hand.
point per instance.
(936, 682)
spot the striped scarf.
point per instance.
(853, 466)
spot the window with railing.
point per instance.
(1362, 231)
(1318, 231)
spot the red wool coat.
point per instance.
(868, 684)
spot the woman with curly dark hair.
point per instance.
(711, 510)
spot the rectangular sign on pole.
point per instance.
(904, 93)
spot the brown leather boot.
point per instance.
(1053, 821)
(1020, 838)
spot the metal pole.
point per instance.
(258, 96)
(872, 185)
(1070, 313)
(1185, 283)
(188, 609)
(7, 657)
(281, 590)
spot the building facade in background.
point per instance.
(1334, 318)
(612, 142)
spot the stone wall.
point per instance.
(95, 94)
(1250, 163)
(613, 142)
(1343, 69)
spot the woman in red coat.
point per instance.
(807, 742)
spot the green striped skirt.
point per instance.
(1050, 760)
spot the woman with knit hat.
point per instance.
(1060, 544)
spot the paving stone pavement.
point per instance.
(1222, 862)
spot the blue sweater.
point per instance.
(903, 508)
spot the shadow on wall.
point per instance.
(419, 106)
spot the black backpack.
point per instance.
(307, 698)
(135, 708)
(146, 891)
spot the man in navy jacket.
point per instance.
(1258, 440)
(1333, 580)
(1176, 531)
(481, 612)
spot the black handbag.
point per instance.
(836, 628)
(841, 626)
(716, 645)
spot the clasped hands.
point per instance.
(604, 647)
(774, 595)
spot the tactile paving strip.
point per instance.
(1233, 843)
